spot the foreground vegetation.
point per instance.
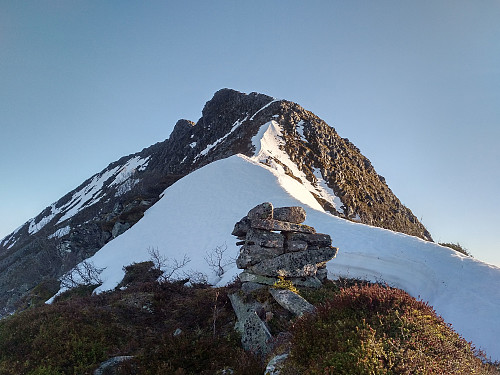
(169, 328)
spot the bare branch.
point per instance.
(217, 260)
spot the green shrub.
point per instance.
(376, 330)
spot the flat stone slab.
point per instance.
(312, 239)
(255, 335)
(292, 301)
(254, 254)
(294, 214)
(251, 277)
(298, 264)
(264, 238)
(271, 224)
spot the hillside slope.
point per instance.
(198, 213)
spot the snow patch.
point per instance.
(60, 232)
(300, 130)
(207, 149)
(35, 226)
(327, 193)
(267, 105)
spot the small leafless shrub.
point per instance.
(84, 274)
(170, 267)
(218, 260)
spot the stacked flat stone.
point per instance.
(276, 243)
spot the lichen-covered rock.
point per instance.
(253, 254)
(294, 214)
(276, 364)
(313, 240)
(264, 238)
(251, 277)
(241, 227)
(292, 246)
(261, 211)
(297, 264)
(292, 301)
(255, 335)
(271, 224)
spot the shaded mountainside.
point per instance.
(110, 202)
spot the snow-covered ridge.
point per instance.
(463, 290)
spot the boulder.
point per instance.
(262, 211)
(295, 215)
(241, 227)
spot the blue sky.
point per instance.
(414, 84)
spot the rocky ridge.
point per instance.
(113, 200)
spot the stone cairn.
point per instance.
(276, 246)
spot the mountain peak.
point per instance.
(277, 134)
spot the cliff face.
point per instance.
(110, 202)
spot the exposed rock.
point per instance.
(246, 276)
(241, 227)
(255, 335)
(322, 274)
(291, 301)
(313, 240)
(264, 238)
(177, 332)
(297, 264)
(275, 365)
(262, 211)
(119, 228)
(250, 287)
(308, 282)
(271, 224)
(109, 366)
(253, 254)
(295, 214)
(296, 245)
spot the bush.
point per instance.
(457, 247)
(377, 330)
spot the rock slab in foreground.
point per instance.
(292, 301)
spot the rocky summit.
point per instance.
(75, 227)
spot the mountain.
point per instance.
(341, 179)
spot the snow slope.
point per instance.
(198, 213)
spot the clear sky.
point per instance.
(414, 84)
